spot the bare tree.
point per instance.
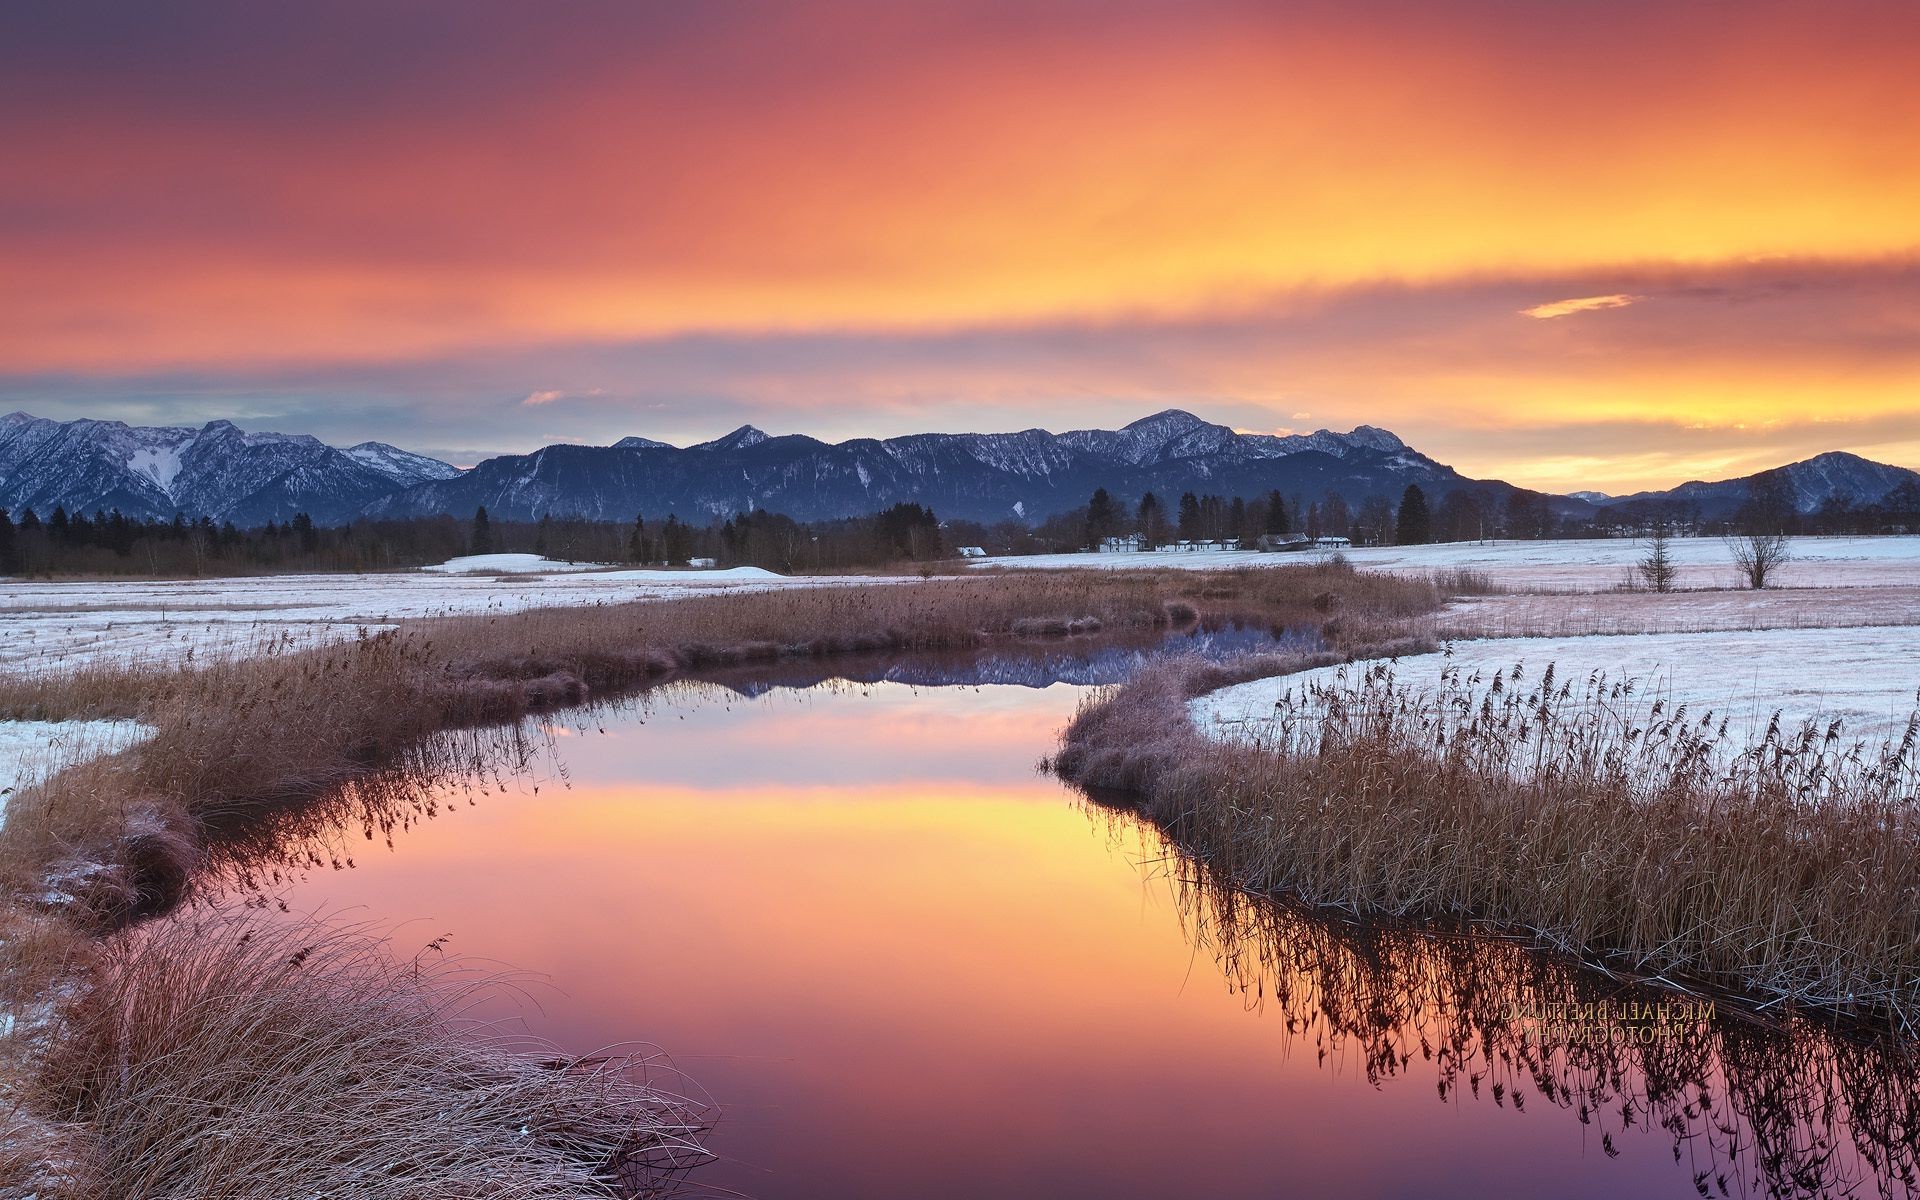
(1757, 556)
(1657, 568)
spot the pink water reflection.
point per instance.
(905, 964)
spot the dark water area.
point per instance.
(1035, 663)
(900, 961)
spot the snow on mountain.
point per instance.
(640, 443)
(217, 471)
(740, 439)
(1814, 482)
(404, 467)
(1027, 475)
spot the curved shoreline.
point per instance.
(109, 842)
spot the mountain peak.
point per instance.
(1376, 438)
(1168, 421)
(640, 443)
(739, 439)
(17, 417)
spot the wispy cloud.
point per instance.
(1580, 304)
(535, 399)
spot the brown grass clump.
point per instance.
(1788, 872)
(219, 1058)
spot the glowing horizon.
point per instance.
(1572, 247)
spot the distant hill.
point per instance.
(1812, 482)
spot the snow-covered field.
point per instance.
(1572, 565)
(1866, 676)
(47, 624)
(1561, 614)
(32, 750)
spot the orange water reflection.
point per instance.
(905, 964)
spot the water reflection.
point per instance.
(1779, 1108)
(898, 962)
(1037, 663)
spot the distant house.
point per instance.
(1277, 542)
(701, 562)
(1126, 543)
(1333, 542)
(973, 552)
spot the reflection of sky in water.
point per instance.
(905, 964)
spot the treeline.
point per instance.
(1464, 514)
(111, 543)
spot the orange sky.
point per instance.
(852, 219)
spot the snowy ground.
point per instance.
(32, 750)
(52, 624)
(1867, 676)
(1568, 565)
(1561, 614)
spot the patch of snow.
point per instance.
(160, 463)
(1867, 677)
(30, 751)
(507, 564)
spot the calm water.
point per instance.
(901, 962)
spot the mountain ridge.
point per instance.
(220, 471)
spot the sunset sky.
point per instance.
(1571, 244)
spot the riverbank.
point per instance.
(1614, 832)
(104, 843)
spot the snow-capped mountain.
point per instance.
(404, 467)
(216, 471)
(977, 476)
(1813, 482)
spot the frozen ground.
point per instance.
(1568, 565)
(32, 750)
(52, 624)
(1866, 676)
(1535, 614)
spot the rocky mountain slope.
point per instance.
(216, 471)
(976, 476)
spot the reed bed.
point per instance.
(1634, 836)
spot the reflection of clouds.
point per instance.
(876, 975)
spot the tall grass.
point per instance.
(231, 1060)
(1788, 871)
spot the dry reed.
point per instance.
(1787, 871)
(231, 1060)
